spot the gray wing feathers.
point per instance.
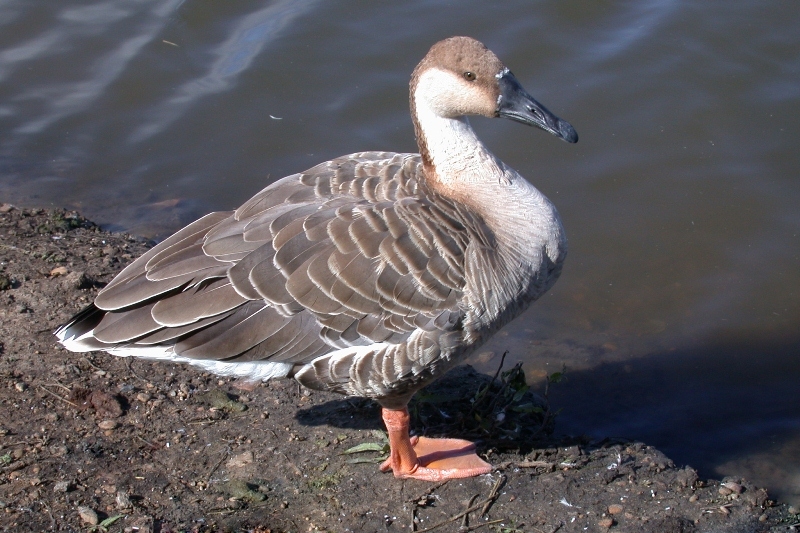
(342, 256)
(197, 302)
(115, 328)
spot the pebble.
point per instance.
(605, 522)
(88, 515)
(238, 461)
(20, 386)
(614, 508)
(724, 491)
(108, 424)
(733, 487)
(693, 498)
(143, 397)
(792, 509)
(59, 271)
(62, 486)
(123, 500)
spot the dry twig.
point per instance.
(484, 505)
(224, 456)
(59, 397)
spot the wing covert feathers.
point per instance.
(351, 271)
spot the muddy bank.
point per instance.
(89, 442)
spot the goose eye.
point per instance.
(469, 76)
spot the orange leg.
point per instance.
(425, 458)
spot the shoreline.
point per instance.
(164, 447)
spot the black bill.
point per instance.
(515, 103)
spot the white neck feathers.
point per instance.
(459, 158)
(523, 220)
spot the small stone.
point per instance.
(123, 500)
(693, 498)
(88, 515)
(59, 271)
(605, 522)
(687, 477)
(76, 280)
(108, 424)
(763, 518)
(733, 487)
(614, 508)
(792, 509)
(63, 486)
(238, 461)
(20, 386)
(143, 397)
(724, 510)
(724, 491)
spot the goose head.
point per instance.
(460, 76)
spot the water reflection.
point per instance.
(250, 36)
(81, 27)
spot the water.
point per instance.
(677, 314)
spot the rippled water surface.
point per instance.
(678, 312)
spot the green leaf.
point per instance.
(365, 447)
(520, 393)
(527, 408)
(110, 520)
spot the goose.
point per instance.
(368, 275)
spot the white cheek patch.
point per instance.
(446, 94)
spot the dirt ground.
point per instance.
(94, 443)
